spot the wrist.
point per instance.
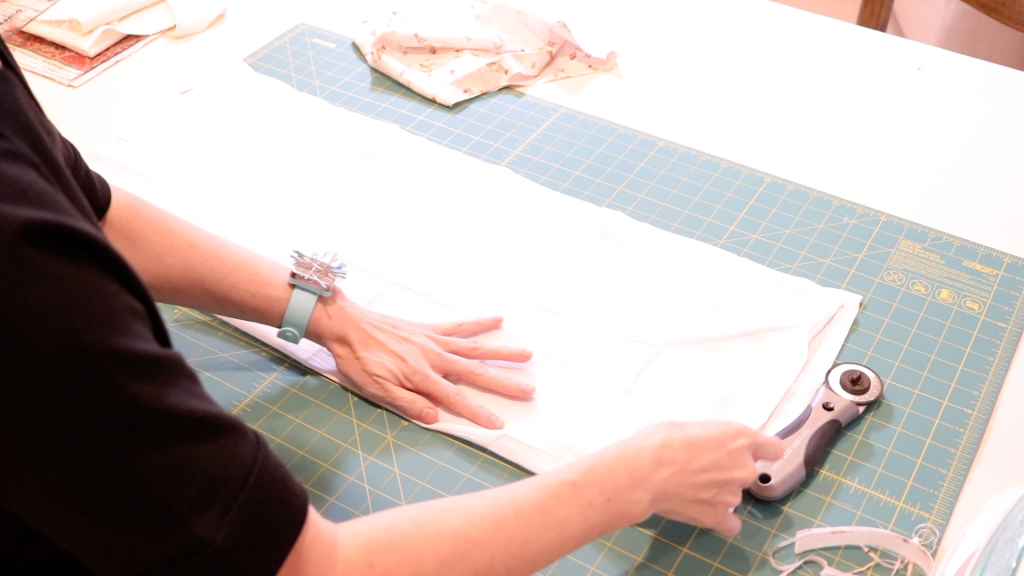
(331, 313)
(623, 477)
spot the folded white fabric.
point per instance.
(452, 56)
(629, 324)
(83, 16)
(90, 27)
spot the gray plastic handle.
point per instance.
(806, 440)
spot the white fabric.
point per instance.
(629, 324)
(193, 16)
(90, 28)
(89, 45)
(83, 16)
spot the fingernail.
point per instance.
(497, 422)
(528, 388)
(428, 415)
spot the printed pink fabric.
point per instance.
(454, 56)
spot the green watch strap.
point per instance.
(296, 317)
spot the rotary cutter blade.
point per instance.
(846, 393)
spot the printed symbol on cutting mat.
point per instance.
(946, 295)
(920, 286)
(893, 277)
(972, 304)
(289, 56)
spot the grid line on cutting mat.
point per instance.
(941, 320)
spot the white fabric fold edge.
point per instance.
(146, 18)
(255, 161)
(823, 349)
(149, 20)
(84, 16)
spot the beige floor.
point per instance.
(957, 27)
(845, 10)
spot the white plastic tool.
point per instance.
(992, 545)
(911, 554)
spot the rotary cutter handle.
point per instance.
(847, 391)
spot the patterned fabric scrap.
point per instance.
(451, 57)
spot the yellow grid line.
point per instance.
(938, 236)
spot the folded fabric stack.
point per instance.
(74, 40)
(91, 26)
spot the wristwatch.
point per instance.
(313, 277)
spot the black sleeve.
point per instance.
(25, 118)
(111, 450)
(93, 186)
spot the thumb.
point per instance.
(768, 447)
(729, 525)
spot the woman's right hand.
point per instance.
(695, 472)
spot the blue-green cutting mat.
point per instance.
(940, 321)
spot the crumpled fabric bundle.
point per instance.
(452, 56)
(91, 26)
(629, 324)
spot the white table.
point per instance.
(915, 131)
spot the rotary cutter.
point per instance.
(846, 393)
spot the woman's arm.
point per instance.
(399, 364)
(691, 472)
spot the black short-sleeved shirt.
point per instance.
(113, 460)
